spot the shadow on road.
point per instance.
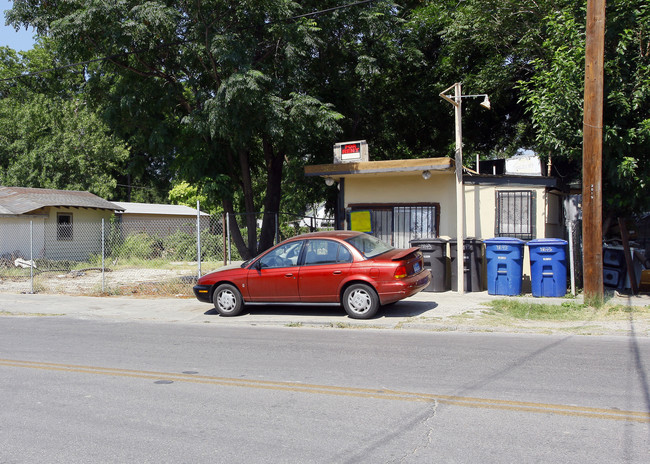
(396, 310)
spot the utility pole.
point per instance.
(592, 152)
(456, 101)
(460, 192)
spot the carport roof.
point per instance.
(406, 166)
(24, 200)
(157, 209)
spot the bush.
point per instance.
(138, 246)
(179, 246)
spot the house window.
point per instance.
(397, 225)
(515, 214)
(64, 226)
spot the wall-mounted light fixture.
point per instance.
(329, 181)
(426, 175)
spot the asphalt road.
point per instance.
(79, 391)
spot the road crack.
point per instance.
(427, 424)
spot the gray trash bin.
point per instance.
(434, 254)
(473, 260)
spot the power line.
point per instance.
(329, 10)
(136, 52)
(135, 186)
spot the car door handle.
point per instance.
(288, 275)
(336, 272)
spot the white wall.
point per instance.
(161, 225)
(480, 210)
(86, 234)
(15, 233)
(396, 189)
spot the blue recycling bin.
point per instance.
(505, 257)
(548, 270)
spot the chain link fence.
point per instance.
(147, 257)
(135, 257)
(286, 225)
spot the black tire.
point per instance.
(227, 300)
(360, 301)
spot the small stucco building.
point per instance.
(63, 224)
(401, 200)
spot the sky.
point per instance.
(19, 41)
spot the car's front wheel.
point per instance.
(227, 300)
(360, 301)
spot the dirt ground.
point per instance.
(146, 282)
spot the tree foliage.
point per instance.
(236, 97)
(49, 138)
(225, 78)
(554, 98)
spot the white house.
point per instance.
(63, 224)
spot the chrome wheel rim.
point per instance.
(226, 300)
(359, 301)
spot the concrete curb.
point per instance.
(446, 311)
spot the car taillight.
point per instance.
(400, 272)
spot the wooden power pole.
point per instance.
(592, 152)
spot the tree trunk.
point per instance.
(235, 233)
(249, 200)
(274, 164)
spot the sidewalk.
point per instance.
(446, 311)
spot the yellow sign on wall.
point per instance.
(360, 221)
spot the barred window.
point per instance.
(64, 226)
(515, 214)
(397, 225)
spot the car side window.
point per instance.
(283, 256)
(326, 252)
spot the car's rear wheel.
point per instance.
(360, 301)
(227, 300)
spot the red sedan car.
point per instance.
(350, 268)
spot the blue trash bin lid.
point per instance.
(503, 241)
(547, 242)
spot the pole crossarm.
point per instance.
(456, 99)
(451, 100)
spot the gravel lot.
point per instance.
(154, 282)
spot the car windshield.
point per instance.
(368, 245)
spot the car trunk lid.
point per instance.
(410, 259)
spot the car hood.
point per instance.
(229, 267)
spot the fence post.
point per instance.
(277, 228)
(571, 259)
(228, 233)
(198, 237)
(103, 255)
(223, 235)
(31, 256)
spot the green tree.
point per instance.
(554, 97)
(183, 193)
(49, 138)
(231, 74)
